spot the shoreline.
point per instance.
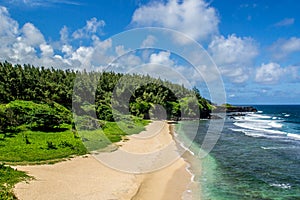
(85, 177)
(194, 165)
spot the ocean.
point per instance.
(256, 157)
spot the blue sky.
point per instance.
(254, 44)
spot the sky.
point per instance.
(252, 47)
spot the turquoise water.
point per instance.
(256, 157)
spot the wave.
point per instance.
(259, 127)
(259, 116)
(259, 135)
(294, 136)
(275, 124)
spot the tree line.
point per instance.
(99, 93)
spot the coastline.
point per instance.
(86, 178)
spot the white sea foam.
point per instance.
(280, 147)
(259, 125)
(185, 148)
(294, 136)
(275, 124)
(269, 148)
(281, 185)
(257, 134)
(237, 129)
(260, 116)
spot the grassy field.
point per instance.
(37, 146)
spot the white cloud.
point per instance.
(101, 56)
(237, 75)
(28, 45)
(148, 42)
(31, 35)
(269, 73)
(64, 35)
(92, 27)
(233, 55)
(42, 3)
(285, 22)
(8, 26)
(120, 50)
(161, 58)
(272, 73)
(283, 47)
(47, 50)
(67, 49)
(83, 54)
(192, 17)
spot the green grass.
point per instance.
(36, 146)
(39, 147)
(8, 178)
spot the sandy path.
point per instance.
(152, 151)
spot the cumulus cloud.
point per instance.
(284, 47)
(47, 50)
(161, 58)
(8, 26)
(192, 17)
(233, 55)
(31, 35)
(272, 73)
(27, 44)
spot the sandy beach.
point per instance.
(147, 166)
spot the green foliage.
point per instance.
(9, 177)
(35, 116)
(30, 83)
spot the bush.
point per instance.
(37, 116)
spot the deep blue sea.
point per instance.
(256, 157)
